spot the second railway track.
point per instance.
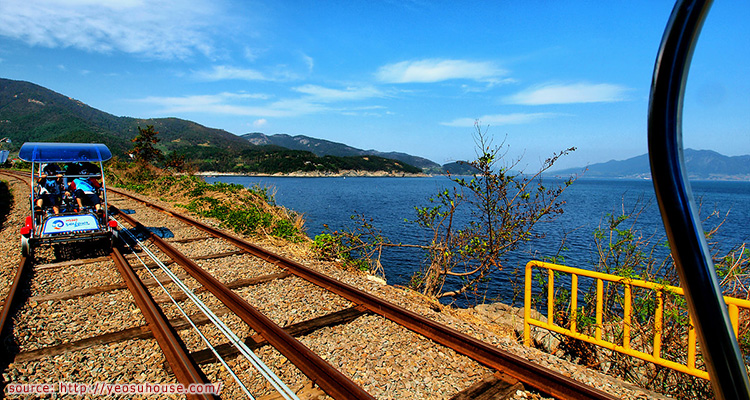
(347, 330)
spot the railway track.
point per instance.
(293, 316)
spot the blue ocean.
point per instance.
(390, 204)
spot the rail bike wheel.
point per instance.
(26, 248)
(115, 238)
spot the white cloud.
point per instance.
(436, 70)
(500, 119)
(252, 54)
(258, 123)
(223, 72)
(279, 73)
(309, 62)
(157, 29)
(324, 94)
(222, 103)
(312, 99)
(569, 93)
(254, 105)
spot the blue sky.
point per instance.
(408, 76)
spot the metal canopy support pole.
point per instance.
(33, 200)
(679, 213)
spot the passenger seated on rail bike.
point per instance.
(89, 168)
(85, 189)
(50, 188)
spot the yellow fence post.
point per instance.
(734, 316)
(691, 344)
(658, 322)
(527, 307)
(599, 301)
(550, 297)
(573, 301)
(626, 317)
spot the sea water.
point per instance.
(390, 204)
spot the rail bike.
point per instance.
(66, 214)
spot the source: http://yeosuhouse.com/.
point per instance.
(108, 389)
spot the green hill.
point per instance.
(459, 168)
(321, 147)
(29, 112)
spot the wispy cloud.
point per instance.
(437, 70)
(157, 29)
(569, 93)
(252, 54)
(325, 94)
(277, 73)
(500, 119)
(309, 62)
(222, 103)
(223, 72)
(313, 99)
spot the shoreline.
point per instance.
(318, 174)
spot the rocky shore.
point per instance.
(322, 174)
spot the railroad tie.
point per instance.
(497, 386)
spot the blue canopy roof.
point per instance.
(64, 152)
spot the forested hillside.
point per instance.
(322, 148)
(29, 112)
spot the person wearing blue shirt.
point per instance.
(50, 188)
(85, 190)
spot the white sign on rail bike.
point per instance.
(70, 224)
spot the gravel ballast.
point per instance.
(388, 361)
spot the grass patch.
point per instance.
(248, 211)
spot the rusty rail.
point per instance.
(533, 375)
(184, 368)
(332, 381)
(10, 301)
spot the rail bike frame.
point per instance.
(71, 224)
(678, 210)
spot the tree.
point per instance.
(504, 206)
(144, 150)
(176, 162)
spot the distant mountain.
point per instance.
(32, 113)
(459, 168)
(700, 165)
(321, 147)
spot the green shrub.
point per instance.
(244, 210)
(285, 229)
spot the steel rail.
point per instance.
(678, 210)
(331, 380)
(214, 319)
(533, 375)
(10, 301)
(12, 296)
(183, 366)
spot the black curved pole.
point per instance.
(679, 213)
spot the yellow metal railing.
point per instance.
(733, 305)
